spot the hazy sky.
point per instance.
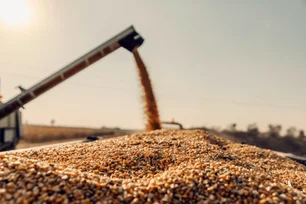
(212, 62)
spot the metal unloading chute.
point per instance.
(10, 116)
(128, 39)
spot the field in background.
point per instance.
(43, 133)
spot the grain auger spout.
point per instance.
(128, 39)
(11, 129)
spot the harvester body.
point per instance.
(11, 130)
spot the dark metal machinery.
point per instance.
(129, 39)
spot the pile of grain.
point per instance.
(163, 166)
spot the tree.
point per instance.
(232, 127)
(253, 129)
(291, 132)
(274, 130)
(302, 135)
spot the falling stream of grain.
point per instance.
(151, 110)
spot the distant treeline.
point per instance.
(293, 141)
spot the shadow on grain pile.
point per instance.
(163, 166)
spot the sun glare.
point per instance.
(14, 13)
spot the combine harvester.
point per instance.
(11, 130)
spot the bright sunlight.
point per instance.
(14, 13)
